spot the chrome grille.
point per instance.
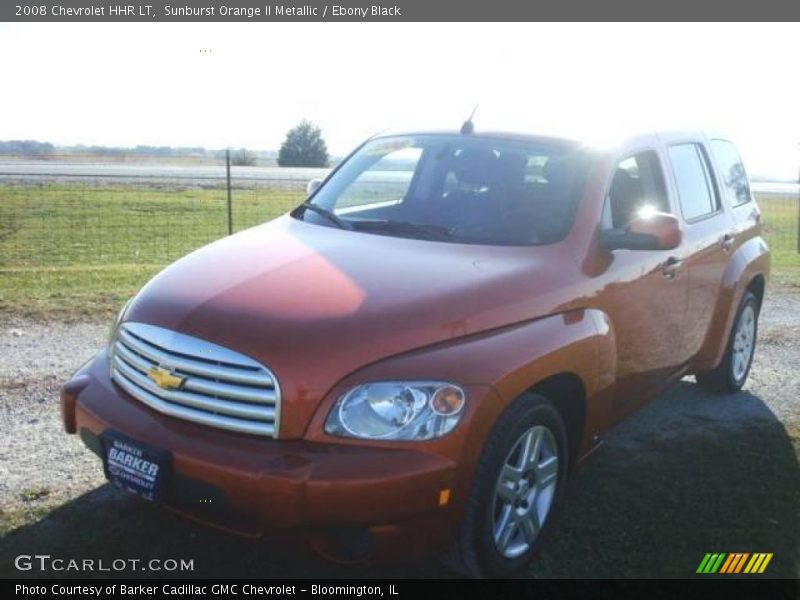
(220, 388)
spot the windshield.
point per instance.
(455, 188)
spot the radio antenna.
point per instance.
(468, 126)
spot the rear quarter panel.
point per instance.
(750, 260)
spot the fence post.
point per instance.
(228, 177)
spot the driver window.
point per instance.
(384, 183)
(637, 184)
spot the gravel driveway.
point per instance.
(39, 464)
(38, 357)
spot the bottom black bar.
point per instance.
(730, 588)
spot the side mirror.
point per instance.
(650, 231)
(313, 186)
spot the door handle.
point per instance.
(726, 241)
(671, 267)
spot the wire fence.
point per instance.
(66, 212)
(780, 219)
(83, 211)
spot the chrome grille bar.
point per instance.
(216, 386)
(206, 386)
(256, 413)
(189, 366)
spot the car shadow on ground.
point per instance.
(689, 474)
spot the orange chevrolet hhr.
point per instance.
(415, 358)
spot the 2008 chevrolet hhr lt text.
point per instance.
(414, 359)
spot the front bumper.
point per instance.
(253, 485)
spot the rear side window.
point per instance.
(696, 192)
(734, 177)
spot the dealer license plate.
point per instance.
(135, 467)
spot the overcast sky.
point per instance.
(141, 83)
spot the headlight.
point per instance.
(397, 410)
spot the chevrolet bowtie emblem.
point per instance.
(164, 378)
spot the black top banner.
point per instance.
(399, 10)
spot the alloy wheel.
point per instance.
(525, 491)
(743, 342)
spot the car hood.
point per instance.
(315, 303)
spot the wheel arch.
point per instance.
(575, 372)
(747, 270)
(757, 287)
(567, 392)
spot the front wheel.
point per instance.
(729, 376)
(518, 484)
(524, 492)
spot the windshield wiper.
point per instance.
(404, 227)
(330, 215)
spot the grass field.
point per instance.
(79, 250)
(69, 251)
(781, 226)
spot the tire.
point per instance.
(731, 373)
(539, 490)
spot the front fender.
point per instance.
(499, 365)
(750, 260)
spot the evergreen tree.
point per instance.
(303, 147)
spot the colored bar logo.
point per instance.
(734, 562)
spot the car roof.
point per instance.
(495, 134)
(608, 144)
